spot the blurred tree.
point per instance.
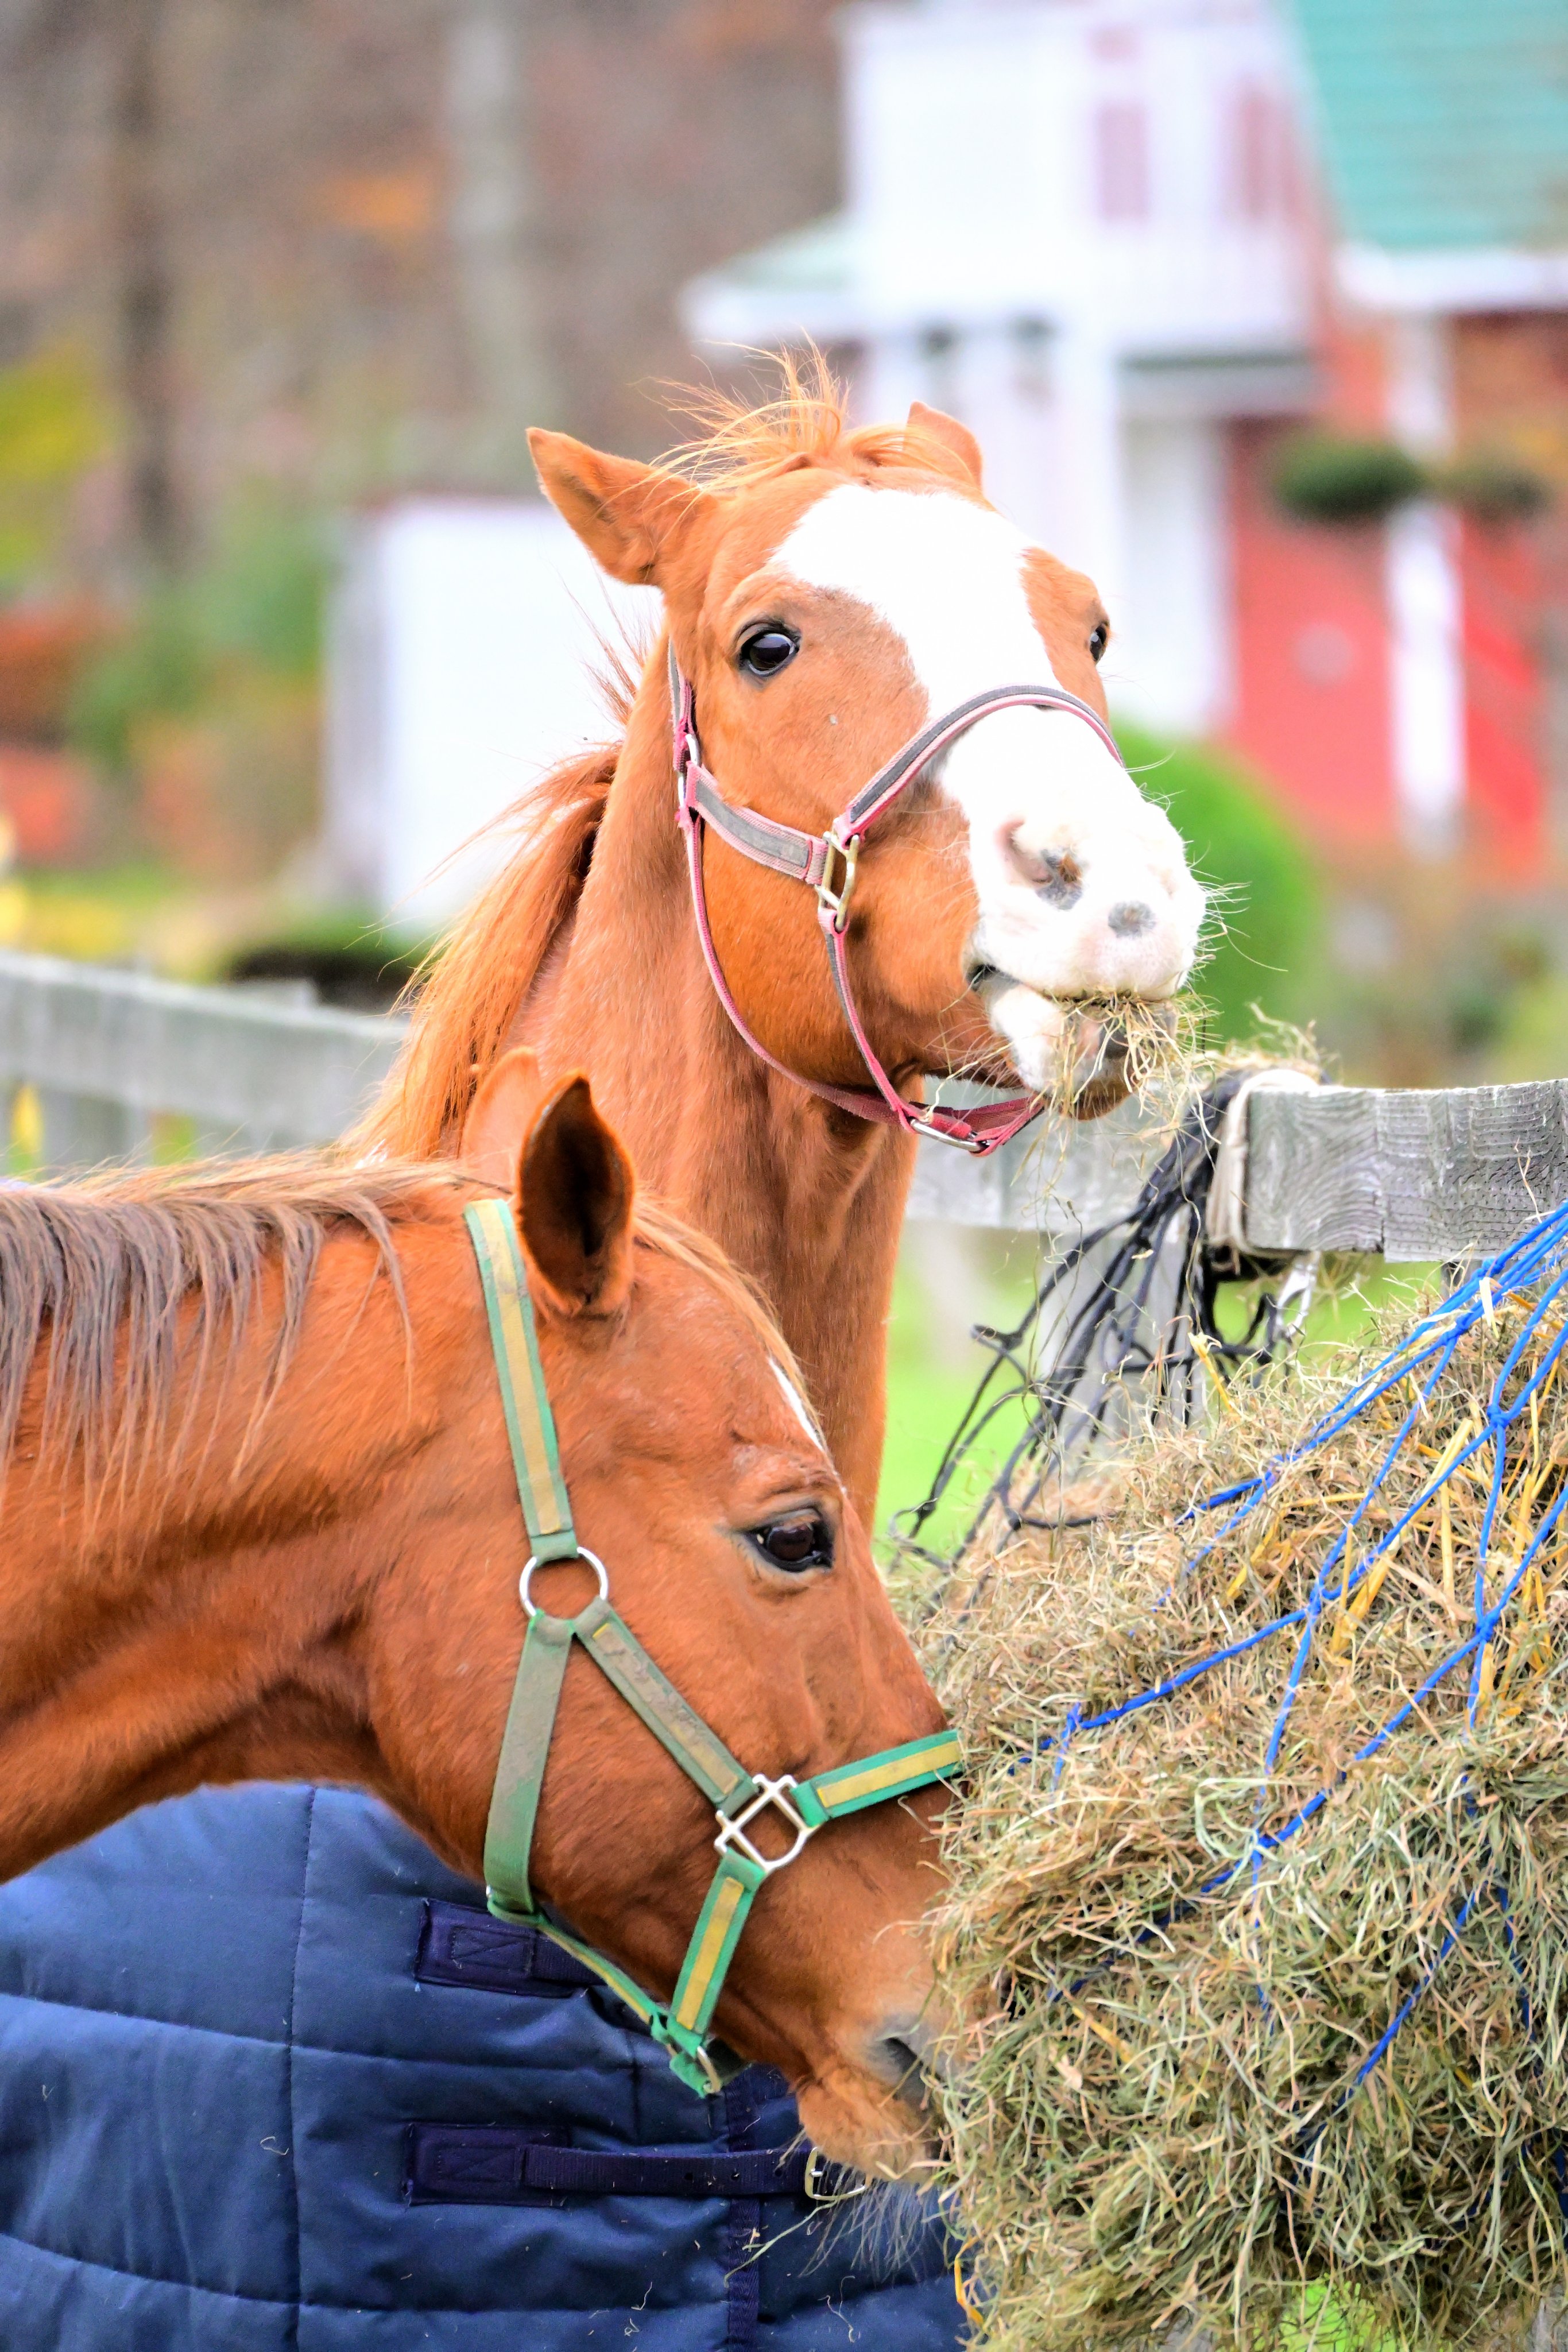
(54, 425)
(1265, 926)
(204, 710)
(254, 610)
(144, 292)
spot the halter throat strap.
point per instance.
(827, 863)
(738, 1798)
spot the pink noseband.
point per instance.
(826, 862)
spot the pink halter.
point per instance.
(826, 862)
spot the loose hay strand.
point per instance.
(1258, 1926)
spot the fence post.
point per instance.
(86, 1131)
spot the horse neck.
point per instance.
(186, 1623)
(806, 1198)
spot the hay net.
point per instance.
(1258, 1919)
(1124, 1324)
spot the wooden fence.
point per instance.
(1410, 1174)
(1404, 1173)
(110, 1051)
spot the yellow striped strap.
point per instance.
(520, 1773)
(699, 1751)
(531, 1424)
(712, 1948)
(827, 1796)
(642, 2005)
(702, 2067)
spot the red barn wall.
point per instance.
(1311, 662)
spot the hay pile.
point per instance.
(1178, 2101)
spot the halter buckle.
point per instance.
(732, 1828)
(970, 1143)
(835, 904)
(819, 2190)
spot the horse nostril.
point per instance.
(1054, 875)
(1130, 918)
(901, 2064)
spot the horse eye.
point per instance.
(1099, 638)
(768, 651)
(801, 1541)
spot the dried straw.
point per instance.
(1175, 2103)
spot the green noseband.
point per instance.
(737, 1797)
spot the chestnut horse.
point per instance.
(829, 592)
(261, 1522)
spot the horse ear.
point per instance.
(575, 1209)
(935, 425)
(626, 515)
(499, 1117)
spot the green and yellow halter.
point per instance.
(739, 1797)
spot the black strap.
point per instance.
(503, 2165)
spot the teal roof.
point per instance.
(1442, 123)
(817, 258)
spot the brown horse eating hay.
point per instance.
(261, 1522)
(856, 636)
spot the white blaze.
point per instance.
(797, 1403)
(1039, 790)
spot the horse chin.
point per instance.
(854, 2118)
(1072, 1055)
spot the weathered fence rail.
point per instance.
(109, 1050)
(1402, 1171)
(1410, 1174)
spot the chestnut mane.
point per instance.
(469, 989)
(806, 422)
(468, 992)
(101, 1273)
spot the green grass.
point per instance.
(932, 1370)
(926, 1393)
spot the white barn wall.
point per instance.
(464, 642)
(1169, 664)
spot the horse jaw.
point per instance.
(865, 2100)
(1082, 885)
(857, 2120)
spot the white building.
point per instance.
(466, 633)
(1078, 225)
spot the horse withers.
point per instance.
(262, 1523)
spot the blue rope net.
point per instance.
(1182, 2053)
(1537, 1265)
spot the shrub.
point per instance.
(1266, 913)
(1326, 478)
(1496, 488)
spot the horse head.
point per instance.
(827, 605)
(263, 1522)
(698, 1476)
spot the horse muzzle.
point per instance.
(1077, 1054)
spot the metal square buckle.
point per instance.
(732, 1829)
(835, 903)
(822, 2191)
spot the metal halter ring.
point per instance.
(600, 1571)
(971, 1143)
(732, 1829)
(835, 904)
